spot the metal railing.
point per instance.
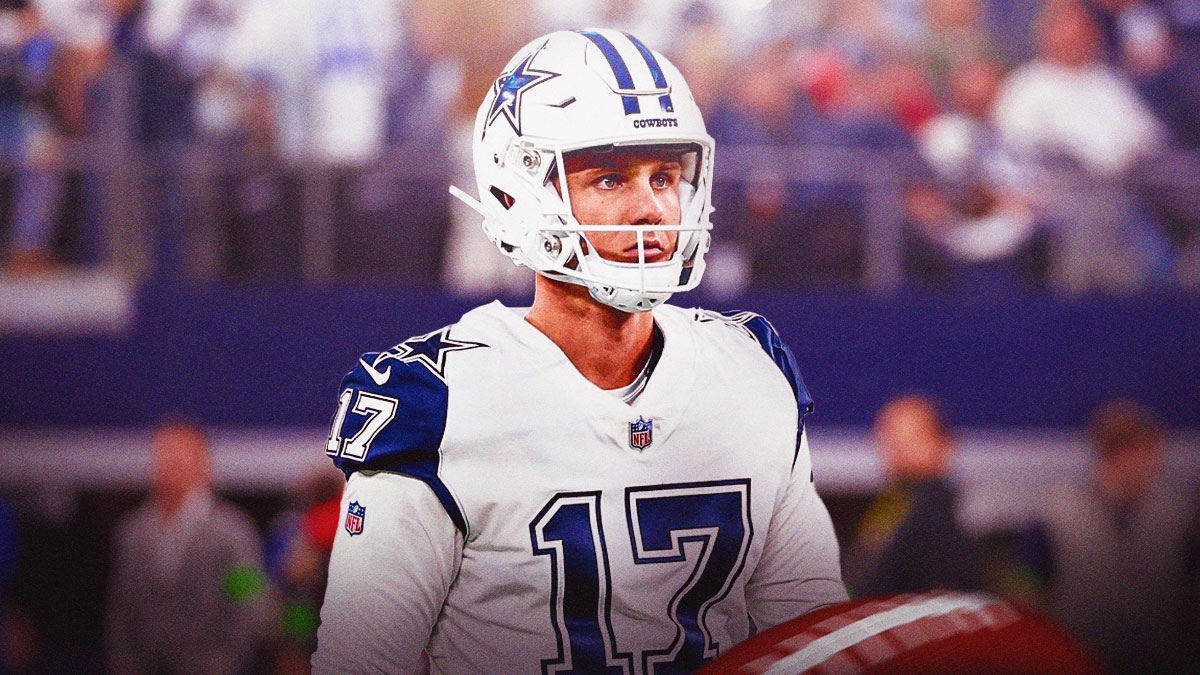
(167, 210)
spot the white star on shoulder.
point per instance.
(429, 350)
(738, 319)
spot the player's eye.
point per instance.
(663, 179)
(607, 181)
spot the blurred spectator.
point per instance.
(18, 634)
(801, 228)
(863, 27)
(973, 224)
(1112, 556)
(1149, 42)
(187, 592)
(10, 547)
(25, 66)
(50, 51)
(865, 76)
(752, 25)
(655, 23)
(185, 99)
(475, 40)
(21, 648)
(1066, 115)
(1191, 597)
(1157, 45)
(188, 93)
(762, 106)
(704, 52)
(328, 87)
(956, 34)
(909, 539)
(323, 66)
(1066, 104)
(298, 547)
(1009, 23)
(275, 84)
(869, 91)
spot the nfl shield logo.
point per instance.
(355, 516)
(641, 433)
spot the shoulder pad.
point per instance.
(761, 330)
(757, 327)
(391, 413)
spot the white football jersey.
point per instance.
(507, 516)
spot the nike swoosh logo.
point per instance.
(379, 378)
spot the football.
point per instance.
(938, 633)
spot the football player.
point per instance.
(599, 482)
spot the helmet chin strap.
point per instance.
(626, 287)
(625, 300)
(629, 286)
(551, 243)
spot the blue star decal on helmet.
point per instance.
(510, 87)
(428, 350)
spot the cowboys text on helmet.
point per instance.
(597, 91)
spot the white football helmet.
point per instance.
(588, 89)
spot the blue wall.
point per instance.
(269, 357)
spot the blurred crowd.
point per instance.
(1113, 555)
(188, 580)
(1024, 143)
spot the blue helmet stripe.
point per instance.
(656, 72)
(624, 79)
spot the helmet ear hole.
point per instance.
(506, 200)
(562, 94)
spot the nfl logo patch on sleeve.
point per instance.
(641, 433)
(355, 515)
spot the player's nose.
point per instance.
(646, 205)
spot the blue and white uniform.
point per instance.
(507, 516)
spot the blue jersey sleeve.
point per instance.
(391, 416)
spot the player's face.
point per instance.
(179, 463)
(626, 188)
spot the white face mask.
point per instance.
(571, 91)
